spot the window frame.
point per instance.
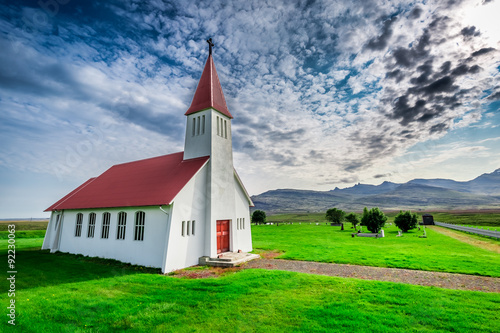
(106, 223)
(121, 226)
(91, 226)
(140, 225)
(79, 225)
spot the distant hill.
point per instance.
(418, 194)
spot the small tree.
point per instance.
(406, 221)
(259, 216)
(374, 220)
(353, 218)
(335, 215)
(364, 217)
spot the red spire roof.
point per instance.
(150, 182)
(209, 92)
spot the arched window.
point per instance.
(79, 221)
(106, 218)
(91, 228)
(140, 219)
(122, 223)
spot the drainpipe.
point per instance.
(163, 210)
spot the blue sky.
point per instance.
(323, 93)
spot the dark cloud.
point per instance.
(464, 69)
(426, 70)
(144, 116)
(353, 166)
(289, 136)
(380, 42)
(445, 67)
(444, 84)
(23, 70)
(495, 96)
(426, 117)
(482, 51)
(415, 13)
(405, 112)
(470, 32)
(438, 128)
(382, 175)
(408, 57)
(395, 74)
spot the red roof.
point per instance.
(150, 182)
(209, 92)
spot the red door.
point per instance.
(222, 236)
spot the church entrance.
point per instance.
(222, 236)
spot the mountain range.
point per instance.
(482, 192)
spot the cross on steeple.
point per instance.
(210, 45)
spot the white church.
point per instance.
(167, 211)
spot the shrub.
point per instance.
(353, 218)
(259, 216)
(373, 219)
(335, 215)
(406, 221)
(364, 217)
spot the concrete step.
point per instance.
(228, 259)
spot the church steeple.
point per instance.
(209, 91)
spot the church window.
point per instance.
(218, 131)
(194, 126)
(122, 224)
(225, 129)
(203, 124)
(243, 223)
(198, 127)
(188, 227)
(238, 224)
(106, 217)
(221, 127)
(183, 227)
(91, 228)
(140, 218)
(192, 227)
(79, 220)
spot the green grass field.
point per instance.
(477, 218)
(69, 293)
(324, 243)
(72, 293)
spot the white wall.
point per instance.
(198, 145)
(148, 252)
(188, 205)
(221, 183)
(243, 235)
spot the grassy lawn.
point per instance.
(25, 239)
(69, 293)
(324, 243)
(476, 218)
(484, 218)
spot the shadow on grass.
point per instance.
(42, 268)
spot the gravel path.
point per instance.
(423, 278)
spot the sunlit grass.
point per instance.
(68, 293)
(324, 243)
